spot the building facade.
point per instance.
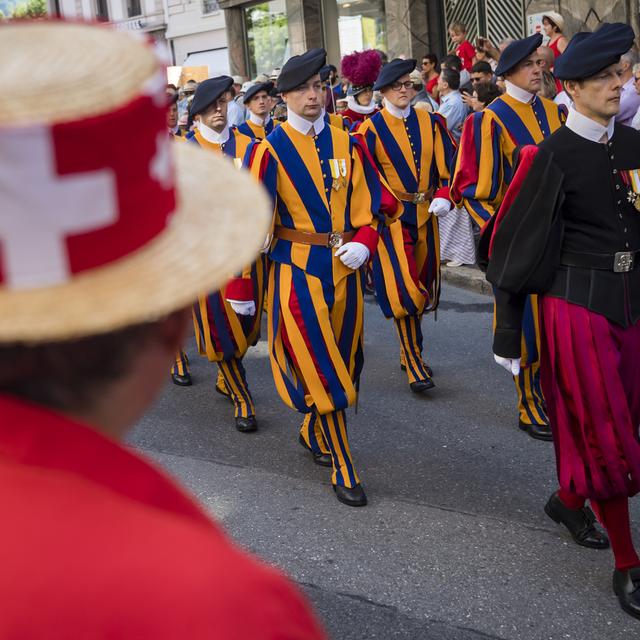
(262, 35)
(194, 30)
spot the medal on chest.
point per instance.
(338, 173)
(633, 186)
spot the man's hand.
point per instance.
(512, 365)
(471, 101)
(353, 254)
(243, 308)
(440, 207)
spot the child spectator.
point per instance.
(464, 49)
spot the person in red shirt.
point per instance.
(430, 74)
(101, 260)
(464, 49)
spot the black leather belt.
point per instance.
(620, 262)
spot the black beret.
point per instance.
(256, 88)
(516, 52)
(394, 71)
(208, 92)
(588, 53)
(298, 69)
(325, 72)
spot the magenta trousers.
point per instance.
(590, 376)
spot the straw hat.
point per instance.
(104, 221)
(556, 18)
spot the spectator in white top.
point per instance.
(635, 123)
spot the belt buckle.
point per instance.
(623, 261)
(335, 240)
(419, 198)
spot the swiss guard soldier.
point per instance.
(413, 152)
(325, 228)
(102, 257)
(361, 69)
(258, 104)
(227, 322)
(334, 119)
(569, 229)
(483, 172)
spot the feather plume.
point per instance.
(361, 67)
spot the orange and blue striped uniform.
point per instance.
(315, 303)
(484, 169)
(223, 336)
(413, 155)
(336, 120)
(258, 131)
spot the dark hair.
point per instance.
(487, 92)
(451, 77)
(451, 62)
(431, 57)
(171, 86)
(482, 67)
(72, 374)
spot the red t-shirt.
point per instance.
(431, 84)
(97, 543)
(466, 52)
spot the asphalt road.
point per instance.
(454, 543)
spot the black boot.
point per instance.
(182, 381)
(537, 431)
(246, 425)
(323, 459)
(352, 497)
(579, 522)
(420, 386)
(626, 585)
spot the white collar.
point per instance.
(396, 112)
(587, 128)
(521, 95)
(213, 136)
(262, 122)
(175, 129)
(356, 107)
(301, 125)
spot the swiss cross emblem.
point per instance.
(76, 198)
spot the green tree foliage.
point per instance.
(30, 9)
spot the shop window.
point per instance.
(267, 36)
(102, 10)
(361, 25)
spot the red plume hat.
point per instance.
(361, 68)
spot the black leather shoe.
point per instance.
(537, 431)
(427, 368)
(579, 522)
(182, 381)
(223, 392)
(246, 425)
(420, 386)
(626, 585)
(354, 497)
(323, 459)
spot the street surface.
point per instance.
(454, 543)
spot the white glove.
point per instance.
(267, 243)
(512, 365)
(353, 254)
(440, 207)
(243, 308)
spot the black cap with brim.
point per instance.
(208, 92)
(254, 89)
(516, 52)
(589, 53)
(325, 72)
(393, 71)
(298, 69)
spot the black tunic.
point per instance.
(572, 209)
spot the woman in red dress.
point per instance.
(553, 24)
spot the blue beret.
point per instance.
(588, 53)
(208, 92)
(393, 71)
(256, 88)
(516, 52)
(298, 69)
